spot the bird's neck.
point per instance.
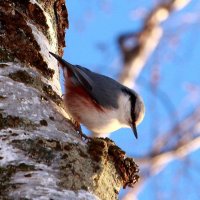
(124, 109)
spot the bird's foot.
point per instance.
(78, 129)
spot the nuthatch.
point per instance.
(100, 103)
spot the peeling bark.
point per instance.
(41, 154)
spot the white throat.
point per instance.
(124, 110)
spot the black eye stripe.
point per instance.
(133, 101)
(133, 97)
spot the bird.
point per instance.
(99, 102)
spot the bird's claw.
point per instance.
(78, 129)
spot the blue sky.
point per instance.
(92, 42)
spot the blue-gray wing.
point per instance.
(105, 91)
(83, 79)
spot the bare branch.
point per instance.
(192, 120)
(160, 161)
(136, 56)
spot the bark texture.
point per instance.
(41, 154)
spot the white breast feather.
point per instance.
(100, 122)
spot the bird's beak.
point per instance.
(133, 126)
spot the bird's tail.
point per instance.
(80, 75)
(61, 61)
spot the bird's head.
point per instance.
(135, 110)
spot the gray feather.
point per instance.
(104, 90)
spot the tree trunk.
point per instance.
(41, 154)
